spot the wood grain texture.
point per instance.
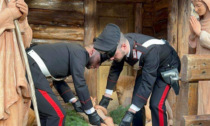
(195, 68)
(186, 103)
(64, 5)
(138, 18)
(121, 1)
(203, 97)
(196, 120)
(183, 27)
(55, 32)
(172, 24)
(48, 41)
(56, 18)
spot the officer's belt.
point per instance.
(42, 65)
(143, 48)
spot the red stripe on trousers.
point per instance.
(54, 105)
(160, 106)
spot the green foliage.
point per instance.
(118, 114)
(74, 119)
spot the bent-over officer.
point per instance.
(158, 67)
(58, 61)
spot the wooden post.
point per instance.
(183, 27)
(172, 39)
(183, 35)
(90, 13)
(172, 23)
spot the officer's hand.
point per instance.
(77, 106)
(95, 119)
(105, 101)
(127, 119)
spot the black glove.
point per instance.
(105, 101)
(95, 119)
(77, 106)
(127, 119)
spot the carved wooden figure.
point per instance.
(14, 90)
(200, 40)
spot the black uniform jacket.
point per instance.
(155, 59)
(62, 60)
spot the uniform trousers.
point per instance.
(157, 104)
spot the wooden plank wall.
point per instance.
(160, 18)
(56, 20)
(147, 20)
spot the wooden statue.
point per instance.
(14, 90)
(200, 40)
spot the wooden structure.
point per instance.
(79, 21)
(194, 120)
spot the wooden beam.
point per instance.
(90, 19)
(172, 24)
(54, 32)
(183, 26)
(138, 18)
(196, 120)
(47, 41)
(64, 5)
(195, 68)
(54, 17)
(89, 29)
(121, 1)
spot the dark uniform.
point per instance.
(151, 62)
(62, 60)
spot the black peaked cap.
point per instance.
(108, 40)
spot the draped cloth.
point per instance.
(202, 43)
(14, 89)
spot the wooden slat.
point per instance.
(121, 1)
(195, 68)
(48, 41)
(183, 27)
(53, 17)
(161, 4)
(54, 32)
(161, 15)
(107, 9)
(193, 99)
(186, 102)
(138, 18)
(203, 97)
(172, 24)
(196, 120)
(65, 5)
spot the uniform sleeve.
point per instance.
(78, 61)
(149, 75)
(6, 21)
(205, 39)
(64, 90)
(114, 74)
